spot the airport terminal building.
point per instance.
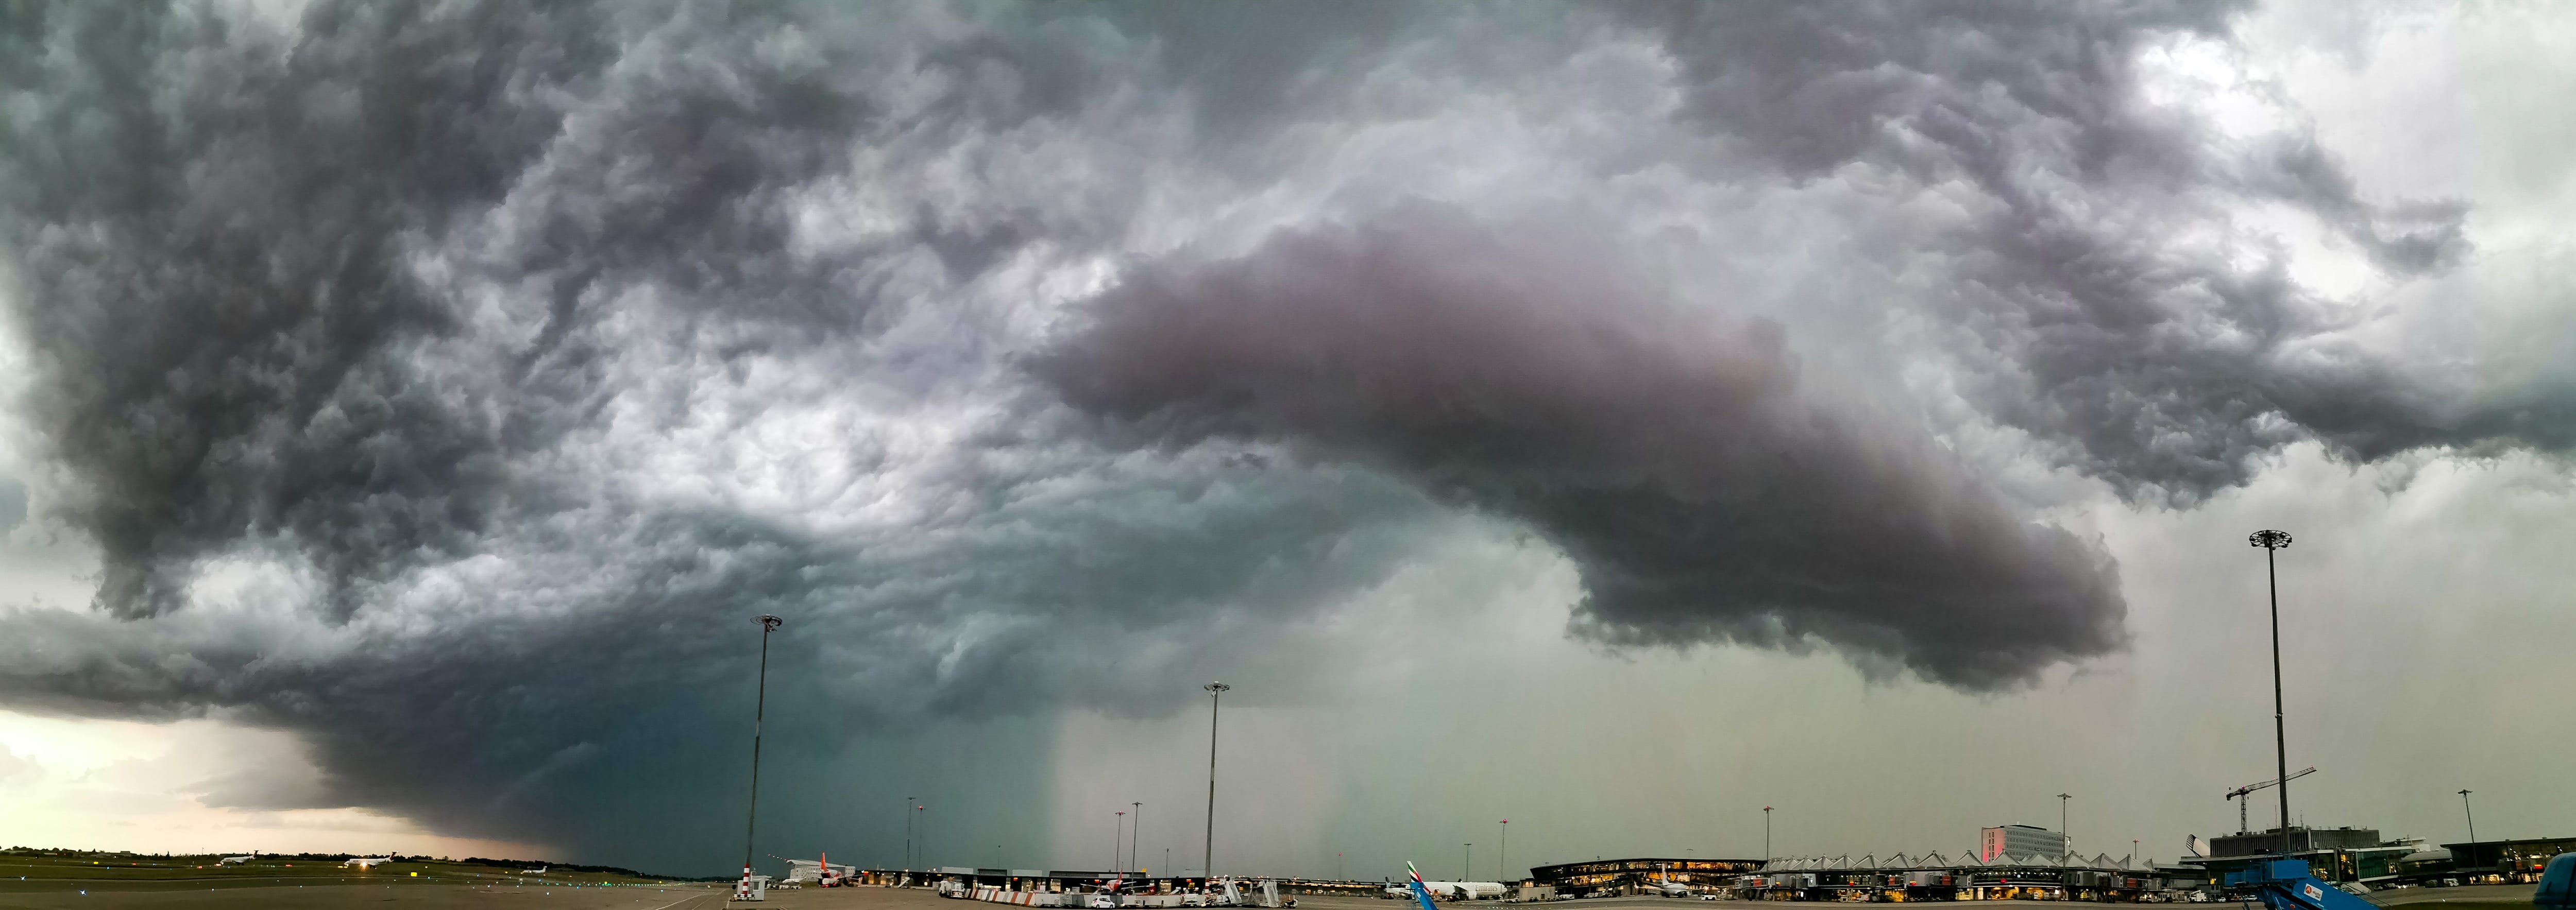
(2333, 854)
(1629, 876)
(2507, 861)
(2019, 840)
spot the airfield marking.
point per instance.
(679, 902)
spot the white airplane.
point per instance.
(1449, 891)
(540, 870)
(822, 872)
(237, 860)
(367, 862)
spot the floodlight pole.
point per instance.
(1136, 844)
(1469, 862)
(1117, 848)
(2473, 817)
(2065, 842)
(759, 705)
(2272, 542)
(1502, 867)
(1766, 835)
(1216, 693)
(907, 832)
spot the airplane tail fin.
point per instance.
(1421, 894)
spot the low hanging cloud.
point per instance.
(1669, 453)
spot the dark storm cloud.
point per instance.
(366, 298)
(207, 247)
(1705, 499)
(217, 233)
(2167, 372)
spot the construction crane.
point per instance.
(2238, 795)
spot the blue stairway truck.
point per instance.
(2285, 884)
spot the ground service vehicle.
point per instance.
(2557, 889)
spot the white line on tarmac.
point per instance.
(679, 902)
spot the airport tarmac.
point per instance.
(469, 897)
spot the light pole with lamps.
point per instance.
(1136, 843)
(2272, 542)
(2473, 817)
(1766, 834)
(1216, 694)
(759, 706)
(1470, 874)
(2065, 842)
(1502, 862)
(907, 832)
(1117, 847)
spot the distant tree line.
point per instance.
(554, 867)
(510, 864)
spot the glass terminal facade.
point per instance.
(1628, 875)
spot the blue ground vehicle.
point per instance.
(2557, 884)
(2285, 884)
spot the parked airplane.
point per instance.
(1108, 897)
(237, 860)
(821, 872)
(1421, 892)
(367, 862)
(540, 870)
(1447, 891)
(1668, 887)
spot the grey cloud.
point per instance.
(592, 703)
(207, 245)
(1538, 377)
(2165, 371)
(240, 345)
(13, 504)
(366, 299)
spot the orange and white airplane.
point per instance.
(819, 871)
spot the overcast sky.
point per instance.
(1614, 419)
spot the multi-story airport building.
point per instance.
(2019, 840)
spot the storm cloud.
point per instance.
(1669, 453)
(2093, 306)
(447, 383)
